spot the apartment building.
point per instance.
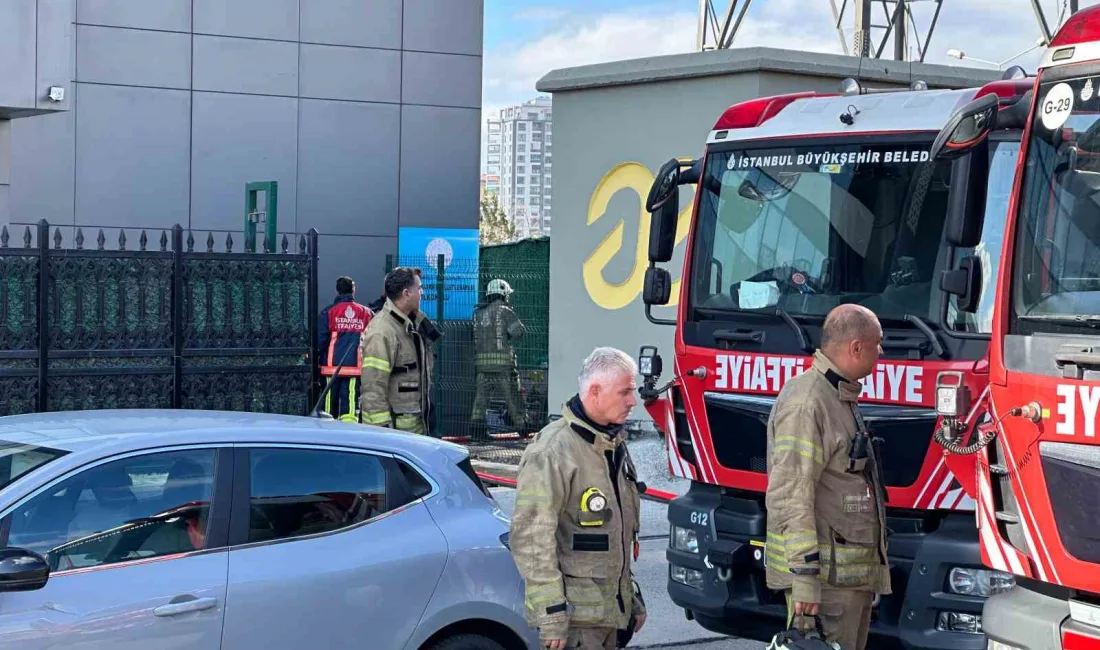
(519, 153)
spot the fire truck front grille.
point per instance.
(738, 426)
(1073, 480)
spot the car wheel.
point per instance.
(467, 642)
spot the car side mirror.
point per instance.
(22, 570)
(658, 286)
(967, 128)
(965, 283)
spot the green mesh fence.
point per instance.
(525, 266)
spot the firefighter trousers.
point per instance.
(592, 638)
(410, 424)
(342, 398)
(501, 384)
(845, 616)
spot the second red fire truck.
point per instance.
(804, 202)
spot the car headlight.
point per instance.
(997, 645)
(979, 582)
(683, 539)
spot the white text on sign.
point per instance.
(889, 382)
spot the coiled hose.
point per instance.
(980, 444)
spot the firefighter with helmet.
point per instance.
(826, 541)
(496, 329)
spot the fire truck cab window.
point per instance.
(808, 228)
(1056, 273)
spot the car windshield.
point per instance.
(1056, 270)
(806, 228)
(17, 460)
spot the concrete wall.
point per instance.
(614, 125)
(36, 49)
(366, 113)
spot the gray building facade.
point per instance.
(366, 113)
(614, 125)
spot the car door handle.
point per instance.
(185, 604)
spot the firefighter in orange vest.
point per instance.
(341, 324)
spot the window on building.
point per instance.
(536, 157)
(520, 180)
(537, 137)
(520, 169)
(494, 148)
(522, 126)
(521, 158)
(521, 147)
(522, 137)
(298, 492)
(536, 169)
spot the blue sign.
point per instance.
(460, 248)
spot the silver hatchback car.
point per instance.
(197, 530)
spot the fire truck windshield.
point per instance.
(1056, 271)
(806, 228)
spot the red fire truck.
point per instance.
(804, 202)
(1038, 500)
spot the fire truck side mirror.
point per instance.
(663, 203)
(967, 128)
(965, 282)
(658, 286)
(966, 202)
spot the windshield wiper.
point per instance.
(919, 323)
(799, 331)
(1064, 319)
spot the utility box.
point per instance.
(36, 55)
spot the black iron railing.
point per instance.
(166, 326)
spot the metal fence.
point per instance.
(525, 265)
(161, 322)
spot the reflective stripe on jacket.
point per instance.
(397, 367)
(574, 526)
(343, 321)
(825, 524)
(496, 329)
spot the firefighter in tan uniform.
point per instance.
(826, 541)
(574, 529)
(398, 354)
(496, 330)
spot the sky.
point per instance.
(525, 39)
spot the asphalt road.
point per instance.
(666, 626)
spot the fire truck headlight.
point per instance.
(688, 577)
(997, 645)
(683, 539)
(979, 582)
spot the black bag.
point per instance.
(794, 639)
(624, 636)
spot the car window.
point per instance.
(296, 492)
(129, 509)
(17, 460)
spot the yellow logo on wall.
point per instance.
(626, 176)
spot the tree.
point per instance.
(495, 227)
